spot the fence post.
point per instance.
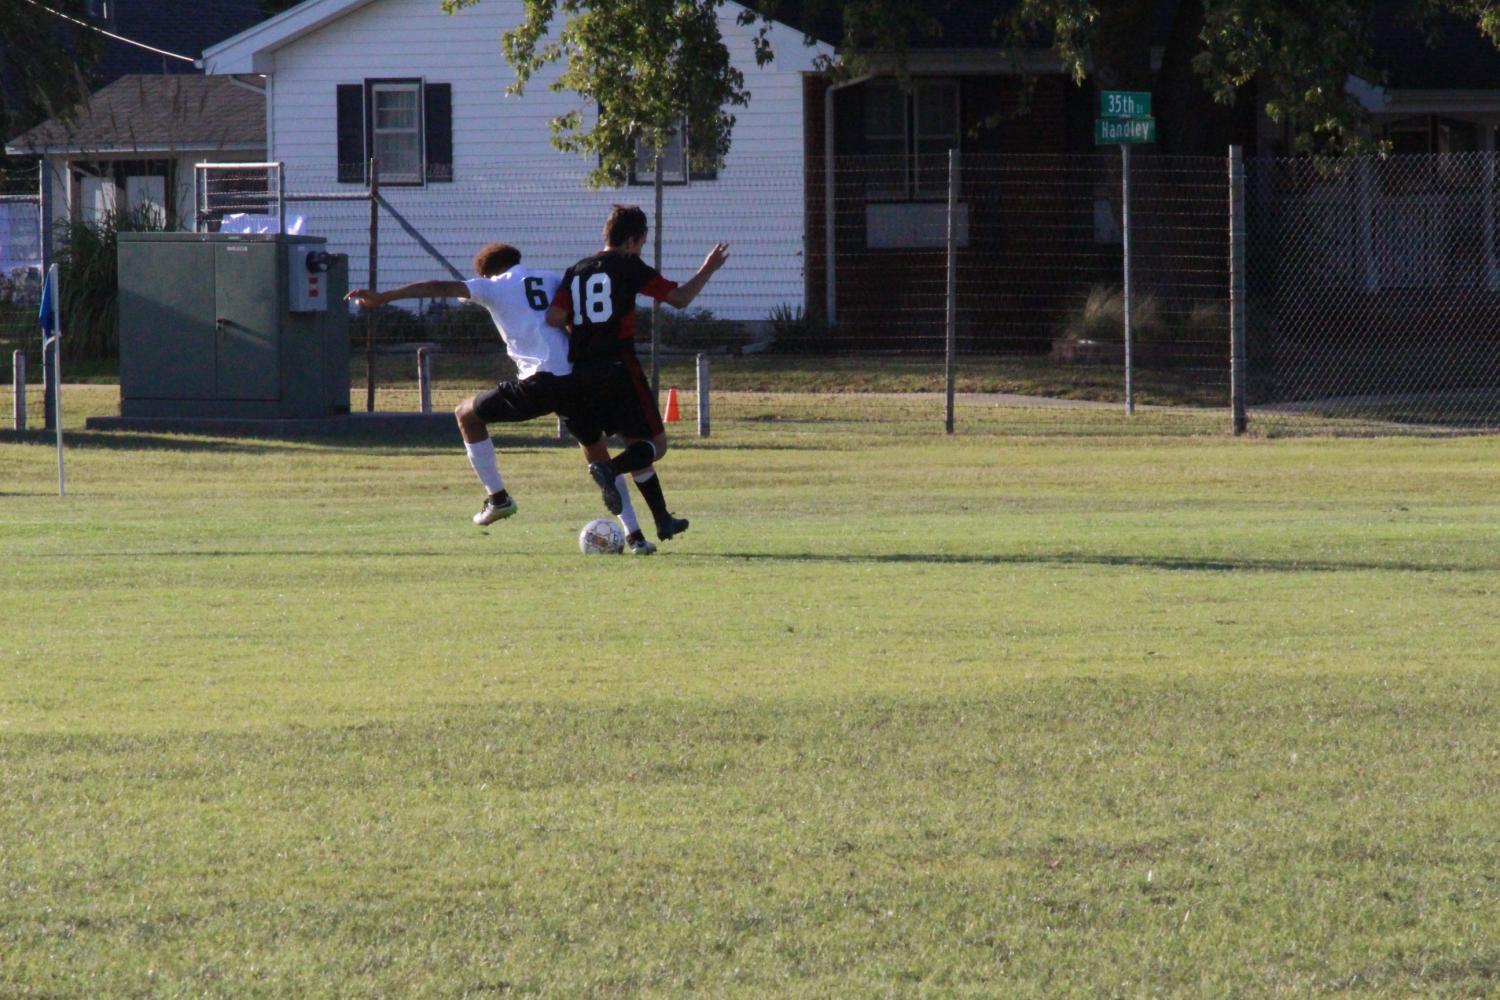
(44, 213)
(656, 262)
(18, 377)
(281, 197)
(703, 395)
(424, 378)
(950, 322)
(1237, 290)
(372, 318)
(1491, 263)
(1125, 248)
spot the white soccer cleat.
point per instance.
(495, 510)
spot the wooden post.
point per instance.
(703, 395)
(424, 378)
(18, 373)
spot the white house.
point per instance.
(464, 164)
(133, 144)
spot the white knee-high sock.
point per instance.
(482, 458)
(627, 509)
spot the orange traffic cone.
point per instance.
(672, 415)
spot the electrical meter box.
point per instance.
(232, 326)
(307, 278)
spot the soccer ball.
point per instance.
(601, 537)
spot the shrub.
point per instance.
(797, 332)
(694, 329)
(462, 327)
(395, 326)
(1101, 317)
(88, 271)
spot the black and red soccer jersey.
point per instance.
(599, 294)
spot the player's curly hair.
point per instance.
(625, 223)
(497, 258)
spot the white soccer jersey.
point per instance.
(518, 301)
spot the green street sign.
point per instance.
(1114, 131)
(1124, 104)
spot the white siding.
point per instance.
(511, 184)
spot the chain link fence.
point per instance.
(1373, 295)
(1373, 284)
(20, 288)
(1037, 276)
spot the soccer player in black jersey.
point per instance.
(596, 305)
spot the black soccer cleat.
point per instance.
(668, 526)
(601, 473)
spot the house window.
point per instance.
(907, 136)
(935, 131)
(885, 140)
(139, 188)
(396, 125)
(1427, 134)
(407, 125)
(1422, 135)
(673, 161)
(676, 161)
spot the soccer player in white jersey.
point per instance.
(517, 298)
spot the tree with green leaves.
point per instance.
(644, 71)
(1299, 54)
(641, 70)
(44, 62)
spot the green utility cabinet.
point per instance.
(232, 326)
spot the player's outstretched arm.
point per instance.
(418, 290)
(686, 292)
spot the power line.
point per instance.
(111, 34)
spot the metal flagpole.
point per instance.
(50, 317)
(1125, 248)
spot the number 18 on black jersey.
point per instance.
(599, 294)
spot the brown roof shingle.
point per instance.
(155, 112)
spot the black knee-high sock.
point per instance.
(634, 458)
(651, 490)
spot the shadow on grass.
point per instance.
(137, 441)
(1173, 563)
(1168, 563)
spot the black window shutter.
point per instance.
(437, 114)
(351, 129)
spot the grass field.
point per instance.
(1058, 706)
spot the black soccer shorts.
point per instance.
(614, 399)
(526, 399)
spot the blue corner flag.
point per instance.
(46, 315)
